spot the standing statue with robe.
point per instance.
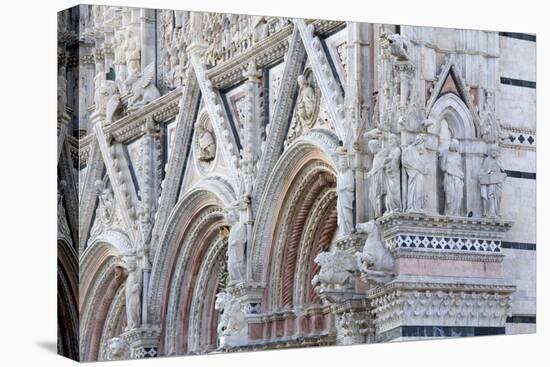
(345, 189)
(491, 179)
(376, 179)
(453, 180)
(236, 247)
(416, 166)
(392, 170)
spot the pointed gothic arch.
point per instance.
(185, 268)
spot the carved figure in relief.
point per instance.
(305, 108)
(375, 261)
(376, 179)
(416, 166)
(61, 94)
(116, 347)
(132, 294)
(392, 170)
(120, 55)
(236, 246)
(143, 89)
(491, 179)
(259, 24)
(231, 321)
(207, 144)
(336, 270)
(106, 202)
(345, 189)
(453, 181)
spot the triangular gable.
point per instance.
(450, 80)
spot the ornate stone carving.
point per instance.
(308, 103)
(376, 177)
(491, 179)
(375, 261)
(440, 304)
(236, 261)
(106, 199)
(416, 166)
(206, 141)
(398, 45)
(116, 349)
(336, 272)
(392, 170)
(61, 95)
(453, 180)
(106, 95)
(345, 188)
(132, 293)
(232, 326)
(143, 89)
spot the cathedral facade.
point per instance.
(231, 183)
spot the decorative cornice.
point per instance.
(133, 125)
(266, 52)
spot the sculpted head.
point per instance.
(453, 145)
(493, 151)
(343, 163)
(369, 227)
(116, 346)
(374, 146)
(301, 80)
(392, 140)
(222, 299)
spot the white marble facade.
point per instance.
(232, 182)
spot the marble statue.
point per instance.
(236, 246)
(231, 321)
(305, 107)
(120, 56)
(375, 261)
(336, 271)
(416, 166)
(345, 189)
(453, 180)
(61, 94)
(133, 295)
(143, 89)
(106, 95)
(377, 187)
(392, 171)
(260, 28)
(116, 348)
(491, 178)
(106, 202)
(207, 144)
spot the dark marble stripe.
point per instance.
(518, 82)
(521, 174)
(520, 36)
(522, 319)
(438, 332)
(519, 245)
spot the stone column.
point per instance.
(358, 106)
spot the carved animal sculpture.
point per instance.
(399, 47)
(231, 320)
(336, 270)
(144, 89)
(375, 262)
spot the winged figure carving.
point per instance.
(143, 90)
